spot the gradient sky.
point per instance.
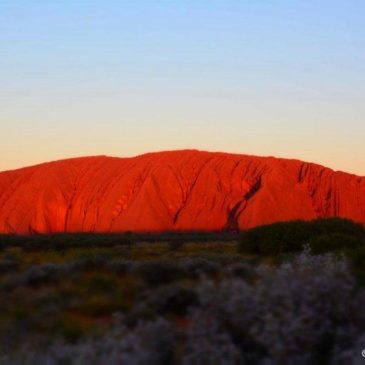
(266, 77)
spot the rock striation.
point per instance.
(173, 191)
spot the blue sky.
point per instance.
(283, 78)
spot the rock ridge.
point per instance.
(173, 191)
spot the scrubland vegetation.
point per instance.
(288, 293)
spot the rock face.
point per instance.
(173, 191)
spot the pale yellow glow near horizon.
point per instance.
(50, 128)
(336, 157)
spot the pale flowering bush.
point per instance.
(354, 355)
(207, 343)
(292, 312)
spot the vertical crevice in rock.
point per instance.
(239, 207)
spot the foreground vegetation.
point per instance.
(288, 293)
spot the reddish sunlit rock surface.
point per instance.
(179, 190)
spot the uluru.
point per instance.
(186, 190)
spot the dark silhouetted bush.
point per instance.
(121, 266)
(171, 299)
(159, 272)
(242, 270)
(7, 265)
(41, 274)
(176, 245)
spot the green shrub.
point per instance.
(290, 237)
(335, 242)
(357, 260)
(68, 328)
(275, 238)
(99, 282)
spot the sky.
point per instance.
(283, 78)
